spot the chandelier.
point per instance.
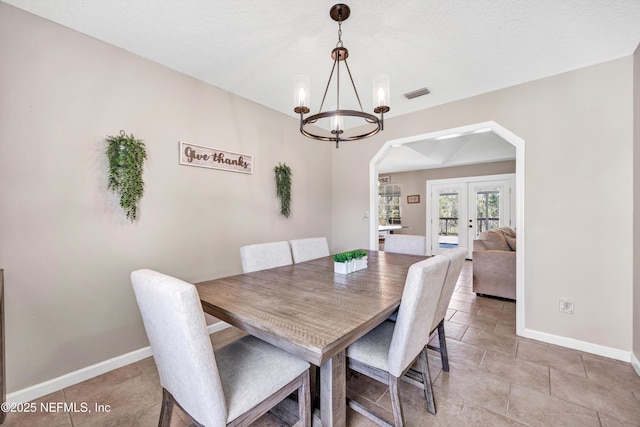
(340, 13)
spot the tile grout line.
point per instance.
(508, 400)
(64, 395)
(584, 367)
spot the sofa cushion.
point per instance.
(508, 232)
(494, 240)
(510, 235)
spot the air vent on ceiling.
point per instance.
(416, 93)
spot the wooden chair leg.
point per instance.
(166, 412)
(304, 401)
(314, 376)
(394, 393)
(444, 356)
(426, 380)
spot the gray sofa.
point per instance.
(494, 263)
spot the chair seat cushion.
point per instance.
(373, 348)
(247, 367)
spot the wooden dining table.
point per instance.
(312, 312)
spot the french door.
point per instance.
(461, 209)
(448, 227)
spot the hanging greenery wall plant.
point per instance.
(283, 188)
(126, 158)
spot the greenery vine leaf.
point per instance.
(126, 160)
(283, 188)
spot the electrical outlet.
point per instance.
(566, 305)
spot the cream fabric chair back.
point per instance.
(406, 244)
(456, 257)
(308, 249)
(182, 350)
(265, 255)
(420, 297)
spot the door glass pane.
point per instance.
(487, 210)
(448, 219)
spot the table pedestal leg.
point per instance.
(333, 391)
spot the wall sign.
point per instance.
(384, 179)
(213, 158)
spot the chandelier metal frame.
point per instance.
(339, 13)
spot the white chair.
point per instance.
(308, 249)
(456, 260)
(389, 350)
(265, 255)
(234, 386)
(406, 244)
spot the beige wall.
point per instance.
(414, 215)
(65, 244)
(578, 133)
(636, 205)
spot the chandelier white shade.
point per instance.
(301, 91)
(381, 92)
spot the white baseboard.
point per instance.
(587, 347)
(635, 363)
(55, 384)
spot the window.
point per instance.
(389, 204)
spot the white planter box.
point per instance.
(350, 266)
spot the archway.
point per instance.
(508, 136)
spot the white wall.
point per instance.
(578, 133)
(65, 244)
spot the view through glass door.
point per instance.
(487, 200)
(463, 208)
(447, 202)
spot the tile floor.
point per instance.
(496, 379)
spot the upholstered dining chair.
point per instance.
(309, 248)
(406, 244)
(389, 350)
(234, 386)
(265, 255)
(456, 260)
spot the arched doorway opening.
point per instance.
(508, 136)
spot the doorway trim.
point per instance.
(508, 136)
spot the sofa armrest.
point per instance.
(478, 245)
(494, 273)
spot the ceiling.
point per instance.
(455, 48)
(450, 150)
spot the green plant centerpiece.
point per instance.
(348, 262)
(126, 159)
(283, 188)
